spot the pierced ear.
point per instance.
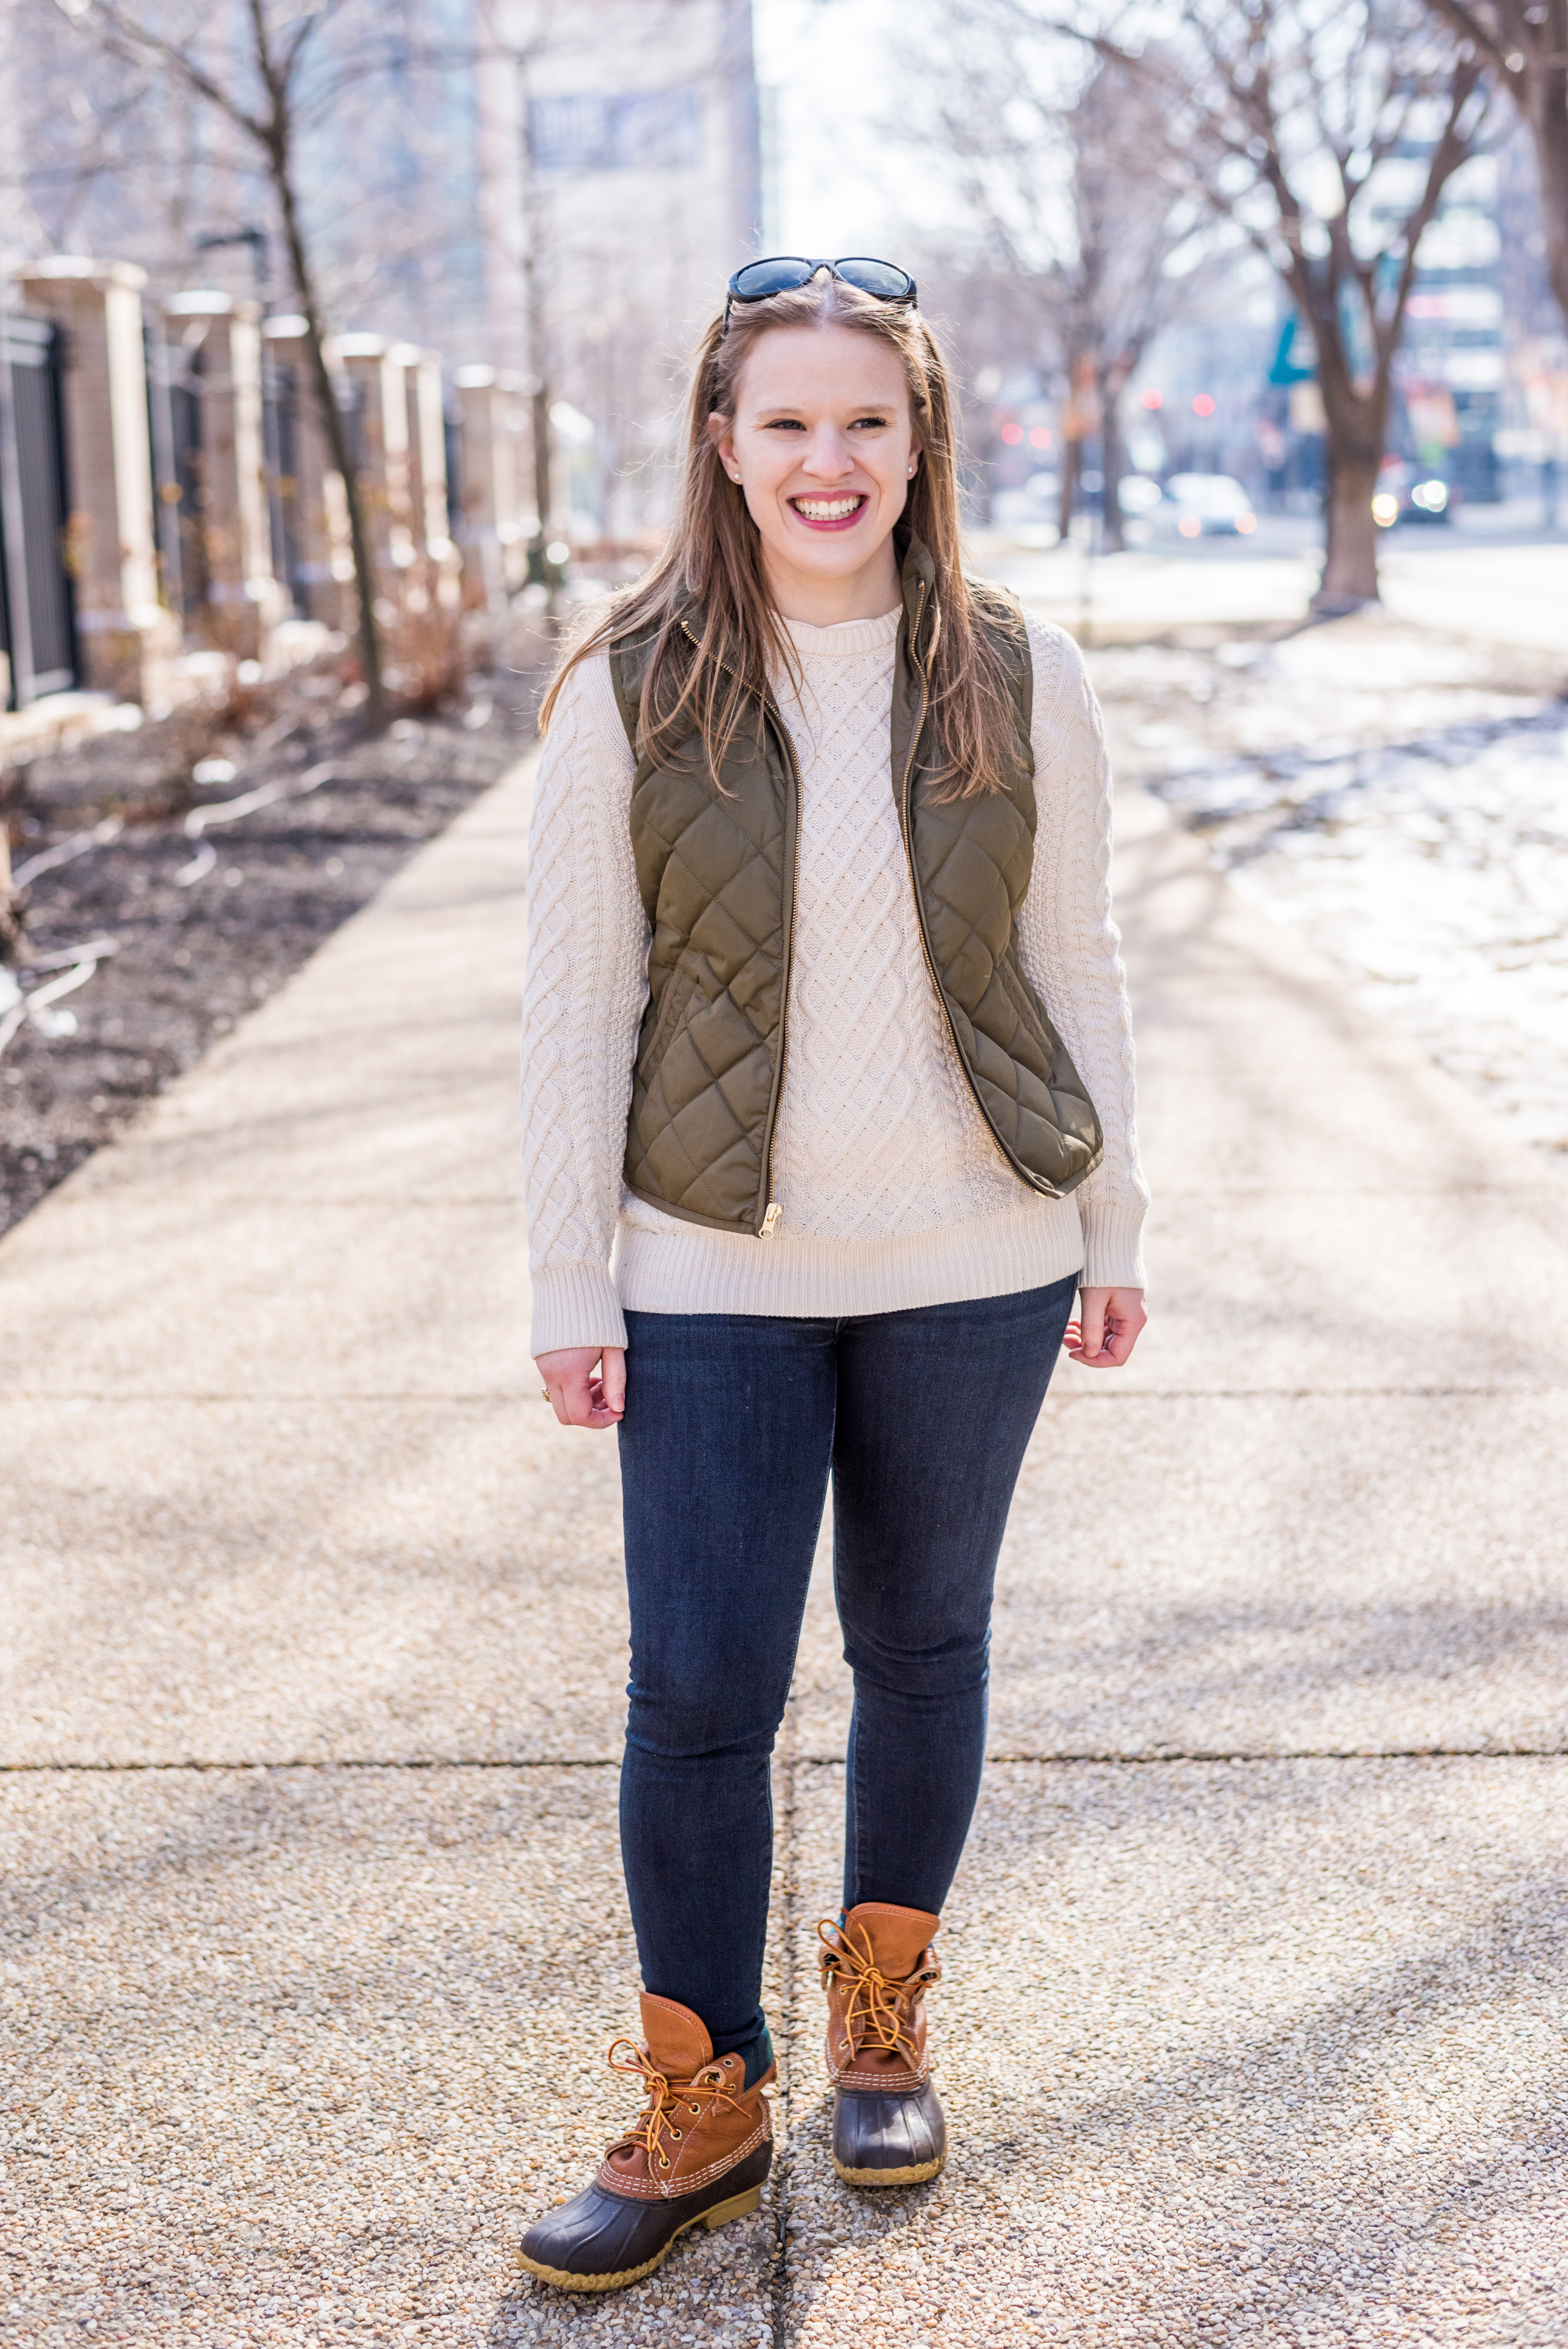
(721, 433)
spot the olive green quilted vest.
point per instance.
(716, 869)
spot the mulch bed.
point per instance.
(199, 940)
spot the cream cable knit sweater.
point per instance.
(892, 1191)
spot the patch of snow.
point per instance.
(1405, 813)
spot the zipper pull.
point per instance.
(768, 1220)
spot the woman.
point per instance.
(827, 1043)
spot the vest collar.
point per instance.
(917, 586)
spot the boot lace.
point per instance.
(658, 2125)
(878, 2008)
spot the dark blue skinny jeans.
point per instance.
(733, 1424)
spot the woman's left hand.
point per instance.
(1107, 1329)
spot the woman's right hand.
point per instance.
(578, 1396)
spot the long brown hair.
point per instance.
(710, 570)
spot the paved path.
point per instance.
(1255, 2017)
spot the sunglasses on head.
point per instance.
(786, 273)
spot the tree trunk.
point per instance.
(1350, 554)
(1072, 464)
(543, 483)
(1550, 129)
(544, 496)
(1355, 412)
(10, 903)
(1112, 461)
(336, 431)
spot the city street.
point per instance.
(1253, 2020)
(1473, 579)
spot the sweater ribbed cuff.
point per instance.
(1112, 1244)
(575, 1305)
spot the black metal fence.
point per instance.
(32, 355)
(177, 393)
(280, 457)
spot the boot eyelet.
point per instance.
(676, 2135)
(663, 2162)
(696, 2109)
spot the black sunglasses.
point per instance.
(786, 273)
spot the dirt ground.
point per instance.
(206, 918)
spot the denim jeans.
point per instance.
(733, 1422)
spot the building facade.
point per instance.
(620, 183)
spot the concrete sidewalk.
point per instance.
(1254, 2023)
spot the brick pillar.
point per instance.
(427, 427)
(223, 341)
(375, 371)
(492, 484)
(128, 638)
(403, 519)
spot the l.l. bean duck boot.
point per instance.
(698, 2157)
(877, 1965)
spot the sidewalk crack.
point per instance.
(791, 1762)
(326, 1762)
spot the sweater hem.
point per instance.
(686, 1269)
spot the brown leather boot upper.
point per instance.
(877, 1967)
(700, 2121)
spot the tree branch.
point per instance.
(134, 43)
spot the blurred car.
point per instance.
(1206, 505)
(1408, 493)
(1031, 509)
(1137, 494)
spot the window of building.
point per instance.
(620, 130)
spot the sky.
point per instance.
(833, 69)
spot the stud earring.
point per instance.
(912, 472)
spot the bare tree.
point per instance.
(1119, 285)
(1082, 213)
(1326, 131)
(125, 157)
(271, 84)
(1525, 44)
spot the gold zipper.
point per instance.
(772, 713)
(1036, 1182)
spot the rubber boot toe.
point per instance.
(883, 2138)
(599, 2241)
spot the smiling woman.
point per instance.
(822, 441)
(876, 385)
(828, 1118)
